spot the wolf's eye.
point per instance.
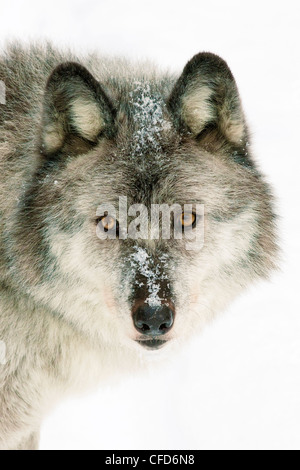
(188, 220)
(109, 223)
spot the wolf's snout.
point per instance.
(153, 321)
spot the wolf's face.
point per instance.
(109, 264)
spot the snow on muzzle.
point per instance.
(153, 309)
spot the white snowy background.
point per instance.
(238, 385)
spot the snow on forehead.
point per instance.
(148, 116)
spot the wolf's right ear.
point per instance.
(76, 111)
(205, 99)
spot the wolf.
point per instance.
(76, 308)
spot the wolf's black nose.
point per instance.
(153, 321)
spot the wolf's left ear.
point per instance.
(76, 111)
(205, 99)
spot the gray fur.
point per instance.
(87, 135)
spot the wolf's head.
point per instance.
(147, 214)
